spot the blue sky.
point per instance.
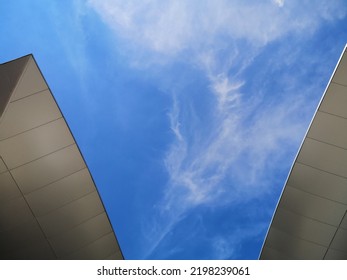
(188, 113)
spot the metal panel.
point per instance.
(35, 143)
(40, 250)
(71, 215)
(28, 113)
(340, 240)
(14, 213)
(8, 188)
(81, 235)
(3, 167)
(335, 100)
(272, 254)
(304, 228)
(324, 157)
(31, 82)
(344, 222)
(335, 255)
(114, 256)
(48, 169)
(318, 182)
(314, 207)
(10, 74)
(102, 248)
(340, 76)
(60, 193)
(329, 129)
(293, 247)
(14, 239)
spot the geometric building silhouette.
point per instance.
(49, 205)
(310, 221)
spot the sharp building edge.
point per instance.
(310, 221)
(50, 207)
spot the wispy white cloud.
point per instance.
(279, 3)
(169, 27)
(223, 160)
(74, 42)
(230, 147)
(228, 246)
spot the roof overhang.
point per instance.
(310, 221)
(49, 205)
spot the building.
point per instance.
(310, 221)
(49, 205)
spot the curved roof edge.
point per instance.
(310, 219)
(50, 207)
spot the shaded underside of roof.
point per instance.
(49, 205)
(310, 221)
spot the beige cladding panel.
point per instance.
(311, 206)
(335, 255)
(323, 156)
(5, 90)
(294, 247)
(71, 215)
(35, 143)
(99, 249)
(14, 239)
(81, 235)
(31, 82)
(117, 255)
(340, 76)
(28, 113)
(10, 74)
(335, 100)
(344, 222)
(329, 129)
(3, 167)
(13, 213)
(48, 169)
(14, 71)
(61, 192)
(303, 227)
(8, 188)
(40, 250)
(317, 182)
(340, 240)
(272, 254)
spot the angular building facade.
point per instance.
(310, 221)
(49, 205)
